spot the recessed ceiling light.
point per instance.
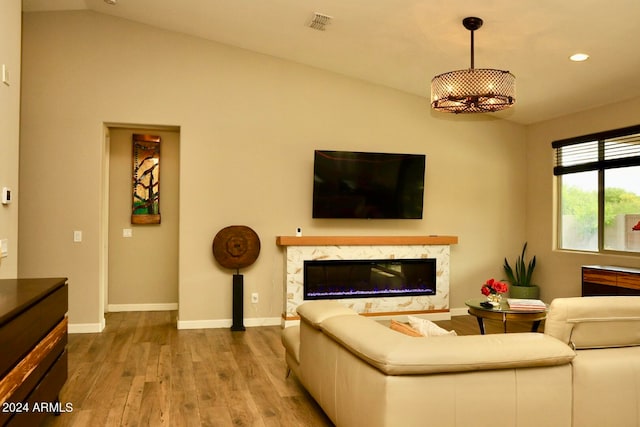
(579, 57)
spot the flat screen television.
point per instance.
(350, 184)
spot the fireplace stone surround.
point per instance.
(299, 249)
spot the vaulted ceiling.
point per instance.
(402, 44)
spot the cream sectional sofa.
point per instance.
(583, 371)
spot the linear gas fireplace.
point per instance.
(369, 278)
(432, 299)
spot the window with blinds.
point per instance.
(606, 150)
(599, 191)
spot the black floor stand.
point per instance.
(238, 306)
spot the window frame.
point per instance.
(599, 164)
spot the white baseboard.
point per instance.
(86, 328)
(226, 323)
(113, 308)
(461, 311)
(396, 316)
(204, 324)
(403, 317)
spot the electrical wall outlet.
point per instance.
(254, 298)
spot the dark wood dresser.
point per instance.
(33, 357)
(610, 280)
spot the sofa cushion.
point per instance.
(427, 328)
(291, 341)
(606, 387)
(316, 311)
(398, 354)
(403, 328)
(595, 322)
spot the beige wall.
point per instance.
(249, 124)
(143, 269)
(558, 272)
(10, 28)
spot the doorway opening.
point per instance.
(139, 261)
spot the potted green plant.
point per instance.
(520, 277)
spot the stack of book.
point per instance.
(526, 304)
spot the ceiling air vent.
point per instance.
(319, 21)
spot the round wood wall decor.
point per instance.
(236, 246)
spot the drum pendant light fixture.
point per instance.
(475, 90)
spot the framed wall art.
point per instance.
(146, 179)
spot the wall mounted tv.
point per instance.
(368, 185)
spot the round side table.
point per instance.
(503, 313)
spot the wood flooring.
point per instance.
(142, 371)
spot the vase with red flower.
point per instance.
(493, 290)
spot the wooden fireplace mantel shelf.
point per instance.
(364, 240)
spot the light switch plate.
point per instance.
(5, 74)
(4, 248)
(77, 236)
